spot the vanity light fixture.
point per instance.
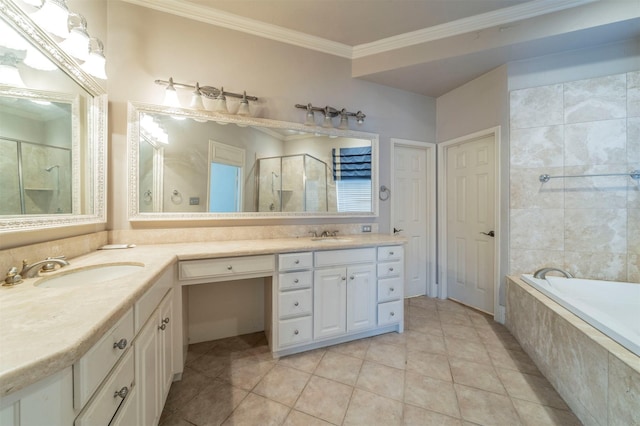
(328, 114)
(36, 60)
(96, 62)
(219, 96)
(53, 17)
(78, 42)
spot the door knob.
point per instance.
(395, 231)
(490, 233)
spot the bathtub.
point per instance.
(611, 307)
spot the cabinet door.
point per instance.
(361, 297)
(165, 346)
(148, 372)
(329, 302)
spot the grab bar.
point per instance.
(635, 175)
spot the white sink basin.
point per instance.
(333, 239)
(88, 275)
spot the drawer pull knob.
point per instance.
(390, 269)
(352, 278)
(390, 253)
(296, 332)
(122, 393)
(344, 278)
(162, 327)
(120, 344)
(391, 289)
(166, 320)
(296, 281)
(229, 267)
(296, 304)
(297, 261)
(392, 313)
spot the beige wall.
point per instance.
(280, 75)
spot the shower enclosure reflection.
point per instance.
(293, 183)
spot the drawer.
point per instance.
(345, 257)
(390, 253)
(295, 331)
(390, 289)
(226, 267)
(105, 404)
(294, 280)
(390, 312)
(390, 269)
(94, 366)
(295, 261)
(295, 303)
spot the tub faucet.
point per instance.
(45, 265)
(542, 273)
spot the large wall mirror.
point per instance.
(191, 164)
(52, 132)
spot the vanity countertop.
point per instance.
(45, 330)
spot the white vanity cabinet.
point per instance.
(344, 292)
(294, 299)
(154, 362)
(390, 285)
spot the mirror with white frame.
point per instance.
(195, 164)
(52, 133)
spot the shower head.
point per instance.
(52, 167)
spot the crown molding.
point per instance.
(479, 22)
(246, 25)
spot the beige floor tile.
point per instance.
(468, 333)
(416, 416)
(196, 350)
(246, 372)
(450, 306)
(423, 302)
(186, 389)
(429, 364)
(387, 412)
(394, 338)
(432, 394)
(424, 325)
(170, 418)
(211, 364)
(530, 388)
(305, 361)
(325, 399)
(390, 355)
(420, 312)
(213, 405)
(455, 318)
(513, 360)
(382, 380)
(356, 348)
(425, 342)
(339, 367)
(486, 408)
(282, 384)
(473, 374)
(533, 414)
(493, 338)
(257, 410)
(298, 418)
(472, 351)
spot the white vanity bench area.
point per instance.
(106, 353)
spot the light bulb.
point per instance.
(96, 62)
(244, 106)
(9, 74)
(78, 43)
(10, 39)
(220, 104)
(36, 60)
(326, 122)
(171, 96)
(196, 99)
(53, 17)
(310, 119)
(344, 120)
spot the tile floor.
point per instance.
(451, 366)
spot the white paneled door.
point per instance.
(413, 212)
(470, 222)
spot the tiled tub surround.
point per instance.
(589, 226)
(598, 378)
(47, 329)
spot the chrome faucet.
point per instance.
(46, 265)
(542, 273)
(324, 234)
